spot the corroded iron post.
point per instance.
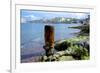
(49, 39)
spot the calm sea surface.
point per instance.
(32, 36)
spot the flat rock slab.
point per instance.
(66, 58)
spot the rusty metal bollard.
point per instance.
(49, 40)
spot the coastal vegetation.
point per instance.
(76, 48)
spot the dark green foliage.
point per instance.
(79, 47)
(62, 46)
(84, 30)
(79, 52)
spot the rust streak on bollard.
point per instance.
(49, 39)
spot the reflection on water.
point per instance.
(32, 36)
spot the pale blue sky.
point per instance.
(34, 15)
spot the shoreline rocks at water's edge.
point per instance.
(70, 49)
(76, 50)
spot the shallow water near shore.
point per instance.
(32, 37)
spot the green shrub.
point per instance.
(75, 46)
(79, 52)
